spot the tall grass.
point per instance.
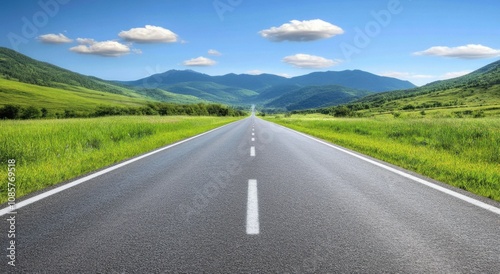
(461, 152)
(51, 151)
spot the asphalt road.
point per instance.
(290, 204)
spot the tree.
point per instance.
(45, 112)
(31, 112)
(69, 113)
(10, 112)
(342, 111)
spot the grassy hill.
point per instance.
(479, 89)
(59, 99)
(28, 82)
(166, 96)
(19, 67)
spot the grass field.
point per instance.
(461, 152)
(48, 152)
(57, 100)
(452, 97)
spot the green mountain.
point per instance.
(480, 88)
(19, 67)
(317, 89)
(317, 96)
(266, 89)
(166, 96)
(271, 93)
(25, 81)
(213, 92)
(356, 79)
(65, 97)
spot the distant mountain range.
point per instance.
(317, 96)
(349, 78)
(317, 89)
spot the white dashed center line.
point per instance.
(252, 203)
(252, 208)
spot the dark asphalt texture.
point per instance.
(183, 210)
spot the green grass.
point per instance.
(48, 152)
(449, 99)
(461, 152)
(57, 99)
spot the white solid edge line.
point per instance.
(252, 208)
(252, 151)
(99, 173)
(409, 176)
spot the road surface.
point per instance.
(252, 197)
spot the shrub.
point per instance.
(478, 114)
(31, 112)
(342, 111)
(10, 112)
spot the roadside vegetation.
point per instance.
(164, 109)
(463, 152)
(48, 152)
(26, 101)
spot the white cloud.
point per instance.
(149, 34)
(286, 75)
(309, 61)
(422, 79)
(105, 48)
(455, 74)
(199, 62)
(54, 38)
(259, 72)
(410, 76)
(136, 51)
(406, 75)
(85, 41)
(307, 30)
(254, 72)
(214, 52)
(470, 51)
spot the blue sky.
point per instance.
(416, 40)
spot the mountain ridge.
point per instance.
(356, 79)
(317, 96)
(312, 90)
(264, 89)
